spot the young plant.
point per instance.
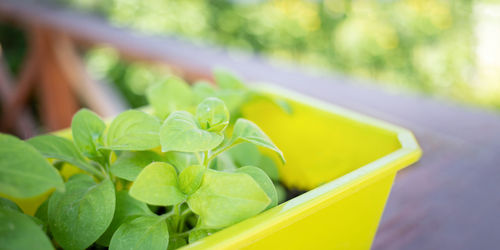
(233, 92)
(143, 182)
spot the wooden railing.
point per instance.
(55, 33)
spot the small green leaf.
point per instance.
(176, 242)
(56, 147)
(180, 160)
(284, 105)
(223, 162)
(245, 130)
(39, 223)
(267, 164)
(180, 132)
(264, 182)
(281, 191)
(226, 80)
(232, 91)
(130, 163)
(198, 234)
(8, 204)
(126, 206)
(42, 213)
(234, 99)
(24, 172)
(60, 148)
(79, 216)
(202, 90)
(192, 219)
(19, 231)
(212, 114)
(87, 129)
(157, 184)
(245, 154)
(133, 130)
(144, 232)
(190, 178)
(169, 96)
(227, 198)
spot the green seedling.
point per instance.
(180, 161)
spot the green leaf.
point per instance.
(176, 242)
(245, 130)
(226, 80)
(87, 129)
(245, 154)
(267, 164)
(190, 178)
(60, 148)
(19, 231)
(281, 191)
(198, 234)
(227, 198)
(212, 114)
(180, 132)
(157, 184)
(180, 160)
(169, 96)
(264, 182)
(232, 91)
(42, 213)
(234, 99)
(144, 232)
(284, 105)
(202, 90)
(223, 162)
(79, 216)
(39, 223)
(133, 130)
(8, 204)
(129, 164)
(24, 172)
(126, 206)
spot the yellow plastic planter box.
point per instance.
(347, 160)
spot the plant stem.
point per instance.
(166, 215)
(205, 159)
(101, 175)
(183, 234)
(183, 218)
(198, 157)
(218, 152)
(177, 209)
(177, 216)
(186, 212)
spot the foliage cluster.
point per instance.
(146, 181)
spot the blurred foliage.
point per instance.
(12, 47)
(130, 78)
(423, 45)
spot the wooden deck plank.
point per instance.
(449, 200)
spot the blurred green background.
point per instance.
(428, 46)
